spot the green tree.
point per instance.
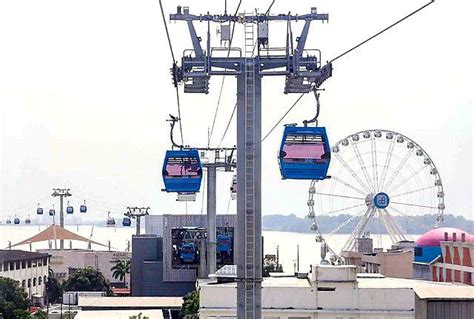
(121, 269)
(54, 291)
(14, 301)
(87, 279)
(40, 314)
(190, 307)
(270, 265)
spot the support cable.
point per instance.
(380, 32)
(175, 81)
(223, 78)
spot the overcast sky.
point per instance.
(85, 90)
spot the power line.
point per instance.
(174, 74)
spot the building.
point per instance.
(64, 262)
(126, 307)
(391, 263)
(157, 267)
(338, 292)
(444, 254)
(30, 269)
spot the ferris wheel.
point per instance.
(376, 174)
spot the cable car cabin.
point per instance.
(28, 221)
(126, 222)
(83, 209)
(16, 221)
(110, 222)
(52, 212)
(182, 172)
(69, 210)
(187, 252)
(39, 211)
(224, 243)
(9, 221)
(304, 153)
(233, 188)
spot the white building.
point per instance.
(327, 292)
(66, 261)
(30, 269)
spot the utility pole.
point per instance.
(303, 72)
(61, 192)
(137, 213)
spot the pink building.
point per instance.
(456, 263)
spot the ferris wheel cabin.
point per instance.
(304, 153)
(182, 171)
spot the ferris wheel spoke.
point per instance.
(406, 180)
(345, 223)
(357, 232)
(341, 209)
(341, 196)
(414, 191)
(337, 179)
(363, 166)
(386, 165)
(354, 175)
(375, 172)
(388, 227)
(414, 205)
(398, 169)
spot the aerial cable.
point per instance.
(382, 31)
(283, 117)
(223, 78)
(228, 124)
(175, 80)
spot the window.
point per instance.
(34, 263)
(40, 281)
(326, 288)
(45, 279)
(418, 251)
(12, 266)
(34, 282)
(23, 264)
(29, 263)
(23, 283)
(40, 262)
(29, 283)
(17, 265)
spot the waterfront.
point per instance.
(118, 237)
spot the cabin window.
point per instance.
(182, 167)
(304, 148)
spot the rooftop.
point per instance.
(118, 314)
(15, 255)
(130, 302)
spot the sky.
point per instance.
(85, 91)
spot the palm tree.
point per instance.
(121, 269)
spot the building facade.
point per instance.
(455, 264)
(30, 269)
(65, 262)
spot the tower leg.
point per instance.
(211, 219)
(249, 228)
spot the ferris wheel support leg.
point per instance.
(358, 230)
(389, 228)
(401, 235)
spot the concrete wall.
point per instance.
(31, 272)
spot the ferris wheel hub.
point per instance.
(379, 200)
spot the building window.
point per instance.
(418, 251)
(23, 283)
(29, 283)
(40, 262)
(45, 279)
(34, 282)
(23, 264)
(40, 281)
(12, 266)
(34, 263)
(29, 263)
(17, 265)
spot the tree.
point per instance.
(190, 307)
(270, 265)
(54, 291)
(121, 269)
(14, 301)
(87, 279)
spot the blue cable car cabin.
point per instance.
(182, 171)
(16, 221)
(83, 208)
(224, 243)
(304, 153)
(39, 211)
(52, 212)
(126, 222)
(187, 252)
(69, 210)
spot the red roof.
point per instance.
(435, 236)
